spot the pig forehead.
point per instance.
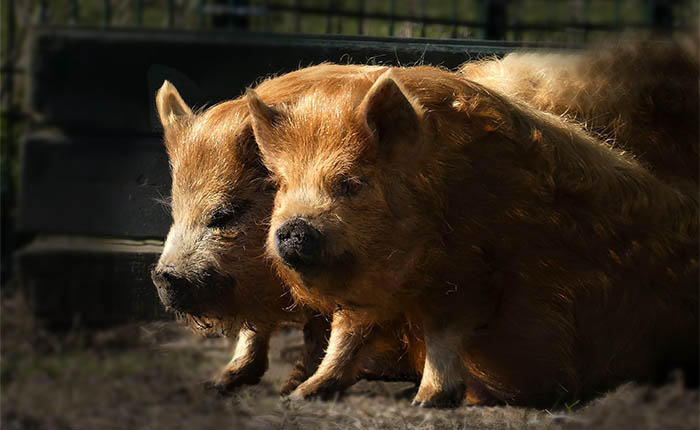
(316, 161)
(194, 194)
(322, 118)
(209, 142)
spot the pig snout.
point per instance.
(173, 290)
(298, 244)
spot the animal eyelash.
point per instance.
(348, 186)
(228, 214)
(271, 182)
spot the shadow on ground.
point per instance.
(148, 376)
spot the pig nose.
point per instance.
(173, 290)
(298, 243)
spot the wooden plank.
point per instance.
(79, 85)
(93, 282)
(94, 187)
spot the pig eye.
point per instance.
(228, 214)
(348, 186)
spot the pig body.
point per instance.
(538, 263)
(640, 96)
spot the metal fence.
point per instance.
(560, 20)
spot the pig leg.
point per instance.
(316, 332)
(249, 361)
(443, 379)
(339, 367)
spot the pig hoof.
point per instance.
(289, 386)
(296, 396)
(218, 388)
(295, 379)
(451, 398)
(227, 382)
(326, 390)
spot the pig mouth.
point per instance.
(210, 298)
(328, 265)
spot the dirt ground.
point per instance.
(148, 376)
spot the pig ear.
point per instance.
(263, 118)
(387, 114)
(170, 105)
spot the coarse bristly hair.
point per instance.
(221, 203)
(560, 265)
(641, 96)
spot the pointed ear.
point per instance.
(170, 105)
(262, 117)
(387, 114)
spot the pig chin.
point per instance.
(210, 297)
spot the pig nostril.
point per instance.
(164, 278)
(283, 233)
(298, 242)
(168, 277)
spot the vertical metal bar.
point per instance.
(10, 66)
(649, 12)
(200, 11)
(392, 12)
(361, 17)
(422, 21)
(339, 27)
(454, 19)
(43, 11)
(329, 16)
(518, 35)
(8, 198)
(496, 20)
(107, 12)
(586, 18)
(266, 5)
(171, 13)
(139, 12)
(661, 15)
(74, 12)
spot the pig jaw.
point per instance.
(187, 279)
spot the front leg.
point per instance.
(316, 332)
(249, 361)
(339, 367)
(443, 382)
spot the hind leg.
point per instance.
(316, 332)
(443, 383)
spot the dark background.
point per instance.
(82, 165)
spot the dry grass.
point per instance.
(147, 377)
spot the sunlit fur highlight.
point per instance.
(641, 96)
(213, 161)
(562, 265)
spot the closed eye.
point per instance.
(348, 186)
(229, 214)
